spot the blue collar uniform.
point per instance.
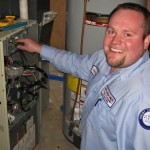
(116, 113)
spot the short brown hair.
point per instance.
(136, 7)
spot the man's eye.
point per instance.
(110, 32)
(128, 35)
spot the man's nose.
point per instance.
(117, 39)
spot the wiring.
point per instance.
(22, 79)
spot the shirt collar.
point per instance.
(125, 73)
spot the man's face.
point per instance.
(123, 42)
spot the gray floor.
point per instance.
(52, 137)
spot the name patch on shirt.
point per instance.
(108, 97)
(144, 118)
(94, 70)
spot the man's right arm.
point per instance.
(29, 45)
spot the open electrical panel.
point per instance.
(21, 79)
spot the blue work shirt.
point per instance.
(116, 113)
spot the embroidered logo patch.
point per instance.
(108, 97)
(94, 70)
(144, 118)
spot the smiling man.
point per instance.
(116, 113)
(123, 42)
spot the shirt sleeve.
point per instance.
(69, 62)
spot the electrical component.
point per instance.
(10, 43)
(22, 83)
(11, 118)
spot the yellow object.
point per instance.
(8, 21)
(74, 84)
(4, 23)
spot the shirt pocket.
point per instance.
(101, 118)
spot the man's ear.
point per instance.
(147, 41)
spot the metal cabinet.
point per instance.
(17, 125)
